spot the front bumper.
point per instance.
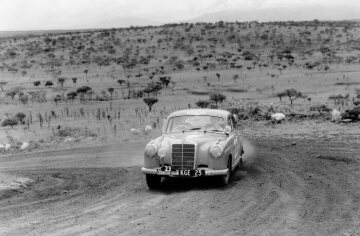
(205, 171)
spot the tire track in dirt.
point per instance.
(310, 188)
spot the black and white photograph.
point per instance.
(164, 117)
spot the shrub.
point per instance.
(217, 98)
(248, 56)
(111, 91)
(254, 110)
(11, 94)
(320, 108)
(57, 98)
(347, 83)
(353, 114)
(103, 97)
(10, 122)
(83, 89)
(68, 132)
(139, 93)
(20, 116)
(24, 98)
(357, 91)
(236, 90)
(198, 92)
(71, 95)
(202, 103)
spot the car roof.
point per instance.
(199, 112)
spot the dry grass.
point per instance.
(257, 80)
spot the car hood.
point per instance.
(198, 138)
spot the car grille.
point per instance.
(183, 156)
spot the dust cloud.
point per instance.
(249, 155)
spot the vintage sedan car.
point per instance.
(194, 143)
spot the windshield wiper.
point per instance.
(197, 128)
(214, 130)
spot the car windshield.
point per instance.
(195, 123)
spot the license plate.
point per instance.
(182, 172)
(161, 172)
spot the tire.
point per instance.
(225, 179)
(240, 165)
(153, 181)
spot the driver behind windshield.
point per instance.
(216, 123)
(189, 123)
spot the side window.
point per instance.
(231, 122)
(234, 122)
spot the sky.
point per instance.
(77, 14)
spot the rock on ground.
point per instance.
(336, 115)
(278, 117)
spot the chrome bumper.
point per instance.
(208, 172)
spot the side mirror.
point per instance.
(236, 118)
(163, 126)
(227, 129)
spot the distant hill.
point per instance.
(281, 14)
(119, 22)
(122, 22)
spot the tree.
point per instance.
(165, 80)
(217, 98)
(74, 80)
(20, 116)
(150, 101)
(202, 103)
(49, 83)
(121, 81)
(292, 94)
(111, 91)
(2, 84)
(235, 78)
(37, 83)
(218, 76)
(61, 81)
(86, 72)
(57, 99)
(280, 95)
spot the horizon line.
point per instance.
(177, 22)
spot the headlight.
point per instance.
(216, 151)
(162, 152)
(150, 150)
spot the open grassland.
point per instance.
(251, 64)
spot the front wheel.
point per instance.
(153, 181)
(224, 179)
(240, 165)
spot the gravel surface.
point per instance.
(292, 187)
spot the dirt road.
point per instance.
(293, 187)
